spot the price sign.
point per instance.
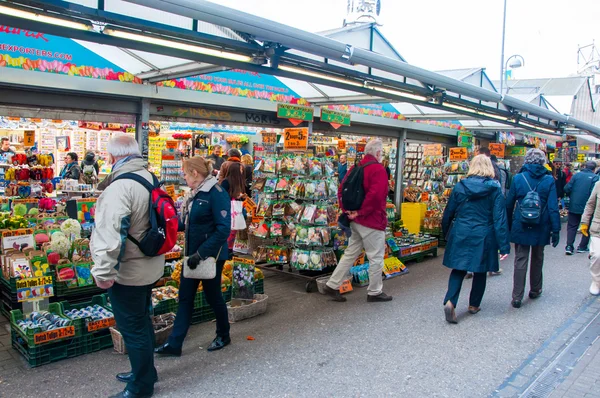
(269, 138)
(17, 232)
(33, 289)
(581, 158)
(457, 154)
(346, 287)
(465, 139)
(295, 138)
(433, 150)
(337, 117)
(242, 260)
(360, 147)
(288, 111)
(552, 156)
(249, 205)
(29, 138)
(585, 147)
(517, 151)
(497, 149)
(100, 324)
(130, 130)
(172, 144)
(55, 334)
(392, 266)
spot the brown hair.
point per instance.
(223, 171)
(235, 176)
(247, 160)
(201, 165)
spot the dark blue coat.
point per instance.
(526, 234)
(475, 225)
(209, 223)
(579, 190)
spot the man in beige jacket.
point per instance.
(120, 266)
(590, 225)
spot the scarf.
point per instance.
(66, 169)
(234, 159)
(189, 198)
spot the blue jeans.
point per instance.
(214, 297)
(131, 306)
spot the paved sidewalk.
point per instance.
(584, 380)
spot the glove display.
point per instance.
(555, 238)
(585, 230)
(193, 261)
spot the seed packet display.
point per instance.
(328, 258)
(263, 208)
(340, 239)
(309, 214)
(296, 188)
(393, 245)
(277, 254)
(260, 254)
(289, 230)
(258, 164)
(276, 229)
(84, 276)
(269, 165)
(259, 184)
(262, 231)
(299, 165)
(302, 258)
(65, 272)
(332, 214)
(332, 187)
(282, 185)
(310, 188)
(321, 190)
(316, 261)
(321, 215)
(302, 235)
(292, 208)
(270, 185)
(325, 234)
(314, 237)
(316, 169)
(278, 209)
(328, 167)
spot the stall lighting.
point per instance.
(477, 112)
(178, 45)
(400, 94)
(531, 126)
(319, 75)
(13, 12)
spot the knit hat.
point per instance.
(590, 164)
(535, 156)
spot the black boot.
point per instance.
(218, 343)
(168, 350)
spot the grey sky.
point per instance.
(450, 34)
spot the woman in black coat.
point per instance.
(476, 228)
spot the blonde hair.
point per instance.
(247, 160)
(201, 165)
(481, 166)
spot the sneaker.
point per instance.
(595, 289)
(334, 294)
(496, 273)
(379, 298)
(569, 250)
(582, 250)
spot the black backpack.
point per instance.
(353, 192)
(530, 206)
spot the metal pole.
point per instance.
(141, 126)
(502, 54)
(398, 191)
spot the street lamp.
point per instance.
(517, 62)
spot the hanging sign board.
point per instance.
(458, 154)
(497, 149)
(337, 117)
(516, 151)
(552, 156)
(295, 138)
(92, 326)
(297, 112)
(170, 190)
(346, 286)
(432, 150)
(465, 139)
(269, 138)
(583, 147)
(29, 138)
(581, 158)
(341, 144)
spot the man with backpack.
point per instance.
(89, 169)
(579, 190)
(362, 198)
(534, 221)
(123, 218)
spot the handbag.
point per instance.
(238, 222)
(206, 269)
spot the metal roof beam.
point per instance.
(347, 100)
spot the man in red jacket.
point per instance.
(368, 227)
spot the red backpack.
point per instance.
(162, 235)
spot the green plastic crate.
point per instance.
(166, 306)
(97, 341)
(48, 353)
(29, 335)
(62, 291)
(203, 314)
(83, 323)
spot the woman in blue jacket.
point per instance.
(527, 237)
(206, 219)
(475, 225)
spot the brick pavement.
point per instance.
(584, 380)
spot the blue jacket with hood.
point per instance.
(475, 225)
(527, 234)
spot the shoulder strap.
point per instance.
(527, 182)
(139, 179)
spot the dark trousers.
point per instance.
(572, 227)
(455, 284)
(536, 276)
(214, 297)
(131, 306)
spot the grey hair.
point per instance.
(535, 156)
(122, 145)
(373, 147)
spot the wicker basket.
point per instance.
(247, 308)
(162, 329)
